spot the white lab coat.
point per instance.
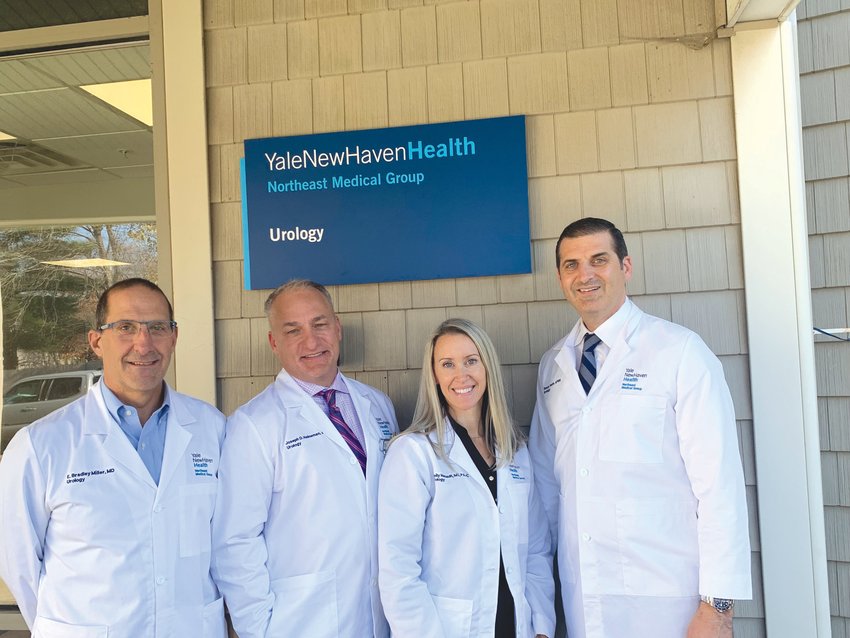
(440, 536)
(90, 546)
(295, 528)
(641, 480)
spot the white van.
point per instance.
(34, 397)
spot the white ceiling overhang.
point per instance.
(68, 153)
(739, 11)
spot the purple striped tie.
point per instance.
(342, 427)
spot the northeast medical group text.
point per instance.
(413, 150)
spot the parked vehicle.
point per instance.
(34, 397)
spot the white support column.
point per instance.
(182, 192)
(779, 319)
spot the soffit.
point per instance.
(740, 11)
(33, 14)
(59, 127)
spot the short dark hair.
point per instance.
(124, 284)
(591, 226)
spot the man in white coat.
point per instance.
(295, 531)
(635, 451)
(106, 504)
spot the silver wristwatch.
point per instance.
(721, 605)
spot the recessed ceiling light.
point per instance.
(86, 263)
(5, 136)
(133, 97)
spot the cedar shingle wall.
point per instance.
(824, 51)
(623, 123)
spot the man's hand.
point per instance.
(710, 623)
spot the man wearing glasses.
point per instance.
(105, 504)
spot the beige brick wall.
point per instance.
(824, 50)
(622, 123)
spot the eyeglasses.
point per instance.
(129, 328)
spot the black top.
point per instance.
(505, 619)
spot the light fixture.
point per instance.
(4, 137)
(86, 263)
(133, 97)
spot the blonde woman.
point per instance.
(463, 545)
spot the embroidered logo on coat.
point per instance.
(386, 433)
(201, 464)
(633, 380)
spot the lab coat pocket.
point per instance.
(214, 625)
(305, 606)
(657, 540)
(46, 628)
(455, 615)
(197, 503)
(632, 429)
(519, 505)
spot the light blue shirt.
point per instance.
(148, 441)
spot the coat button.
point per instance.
(160, 580)
(585, 538)
(584, 471)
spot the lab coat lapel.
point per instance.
(299, 403)
(368, 418)
(566, 358)
(503, 479)
(176, 441)
(115, 442)
(460, 457)
(611, 369)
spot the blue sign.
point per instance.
(393, 204)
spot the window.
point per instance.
(64, 387)
(77, 184)
(26, 392)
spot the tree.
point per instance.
(48, 309)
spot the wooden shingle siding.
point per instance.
(622, 122)
(824, 50)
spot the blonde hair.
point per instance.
(500, 432)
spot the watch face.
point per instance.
(723, 604)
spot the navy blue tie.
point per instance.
(587, 369)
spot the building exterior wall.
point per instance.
(824, 52)
(624, 122)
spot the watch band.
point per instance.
(721, 605)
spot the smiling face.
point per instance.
(133, 367)
(460, 375)
(304, 334)
(592, 277)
